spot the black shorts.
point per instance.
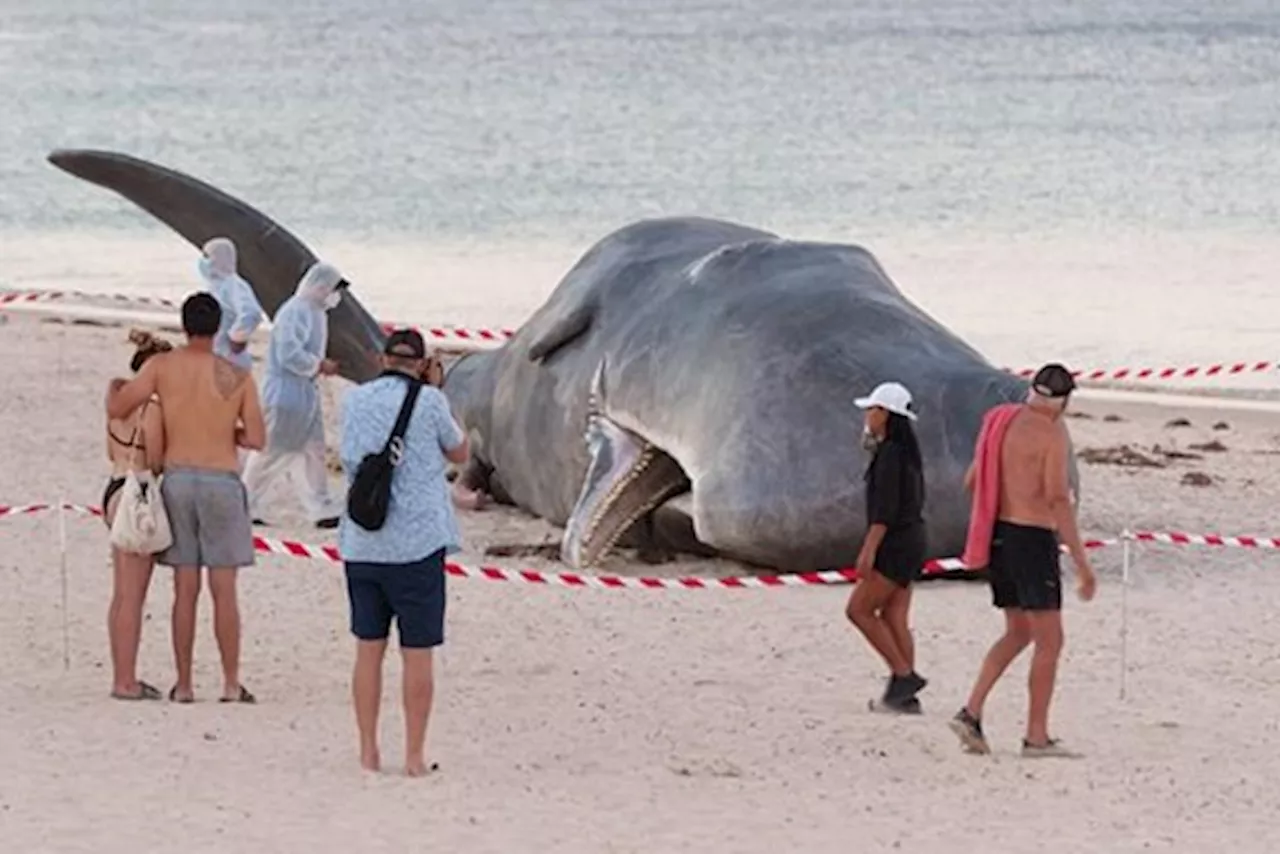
(901, 554)
(413, 593)
(1024, 568)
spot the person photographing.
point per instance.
(395, 561)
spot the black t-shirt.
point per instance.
(895, 488)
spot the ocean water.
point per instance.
(1094, 181)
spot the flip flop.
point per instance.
(243, 697)
(145, 692)
(174, 698)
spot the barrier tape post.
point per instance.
(1126, 543)
(62, 560)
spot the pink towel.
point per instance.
(986, 484)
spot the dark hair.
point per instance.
(201, 315)
(899, 430)
(148, 345)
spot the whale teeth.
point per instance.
(618, 491)
(618, 488)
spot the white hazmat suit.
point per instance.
(291, 398)
(241, 312)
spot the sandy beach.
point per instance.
(620, 721)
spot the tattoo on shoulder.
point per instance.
(227, 377)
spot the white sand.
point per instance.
(637, 720)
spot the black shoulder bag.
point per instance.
(369, 497)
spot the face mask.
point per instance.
(869, 440)
(204, 267)
(332, 300)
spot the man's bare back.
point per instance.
(1033, 469)
(210, 407)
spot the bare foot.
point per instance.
(181, 695)
(237, 694)
(139, 691)
(370, 760)
(419, 768)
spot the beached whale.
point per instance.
(688, 385)
(690, 382)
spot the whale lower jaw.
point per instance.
(627, 478)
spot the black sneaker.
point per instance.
(331, 522)
(969, 730)
(903, 688)
(259, 523)
(909, 706)
(915, 683)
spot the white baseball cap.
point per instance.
(891, 396)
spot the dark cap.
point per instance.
(1053, 380)
(406, 343)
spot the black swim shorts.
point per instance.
(901, 554)
(1024, 569)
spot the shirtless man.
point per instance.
(210, 409)
(1035, 509)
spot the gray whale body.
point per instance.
(688, 385)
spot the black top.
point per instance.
(895, 488)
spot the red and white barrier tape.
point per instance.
(1178, 538)
(292, 548)
(35, 296)
(456, 333)
(483, 337)
(1164, 373)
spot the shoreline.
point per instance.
(1135, 300)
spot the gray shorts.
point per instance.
(209, 514)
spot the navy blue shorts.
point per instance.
(413, 593)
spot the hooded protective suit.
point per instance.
(291, 393)
(299, 336)
(241, 313)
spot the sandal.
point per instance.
(174, 698)
(243, 697)
(969, 730)
(145, 692)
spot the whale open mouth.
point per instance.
(627, 478)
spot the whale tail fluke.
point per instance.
(269, 257)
